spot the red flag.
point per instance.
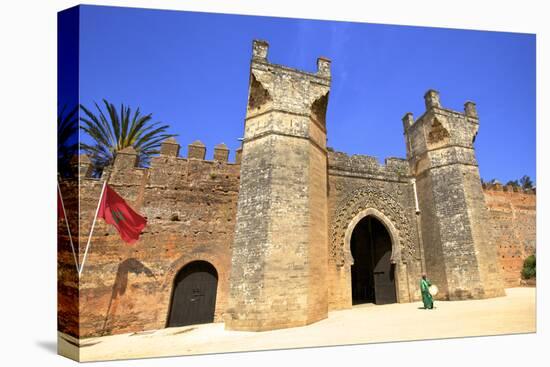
(60, 211)
(117, 212)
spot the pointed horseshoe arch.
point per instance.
(371, 242)
(396, 247)
(370, 201)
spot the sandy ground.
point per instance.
(514, 313)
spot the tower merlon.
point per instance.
(323, 66)
(126, 158)
(431, 98)
(196, 150)
(170, 147)
(470, 109)
(238, 155)
(260, 49)
(408, 120)
(82, 165)
(221, 153)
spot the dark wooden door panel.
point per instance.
(194, 295)
(384, 282)
(372, 274)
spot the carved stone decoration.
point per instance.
(474, 133)
(259, 96)
(359, 201)
(438, 133)
(319, 109)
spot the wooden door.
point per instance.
(194, 295)
(384, 271)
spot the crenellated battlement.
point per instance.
(395, 169)
(440, 136)
(497, 186)
(169, 158)
(260, 50)
(197, 150)
(434, 107)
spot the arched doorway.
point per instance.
(372, 273)
(193, 295)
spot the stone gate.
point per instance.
(292, 228)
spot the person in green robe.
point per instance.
(426, 296)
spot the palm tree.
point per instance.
(526, 182)
(114, 130)
(67, 139)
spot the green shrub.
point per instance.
(529, 268)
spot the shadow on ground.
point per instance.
(48, 345)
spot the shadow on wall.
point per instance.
(120, 285)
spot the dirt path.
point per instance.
(514, 313)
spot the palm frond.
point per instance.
(113, 130)
(67, 139)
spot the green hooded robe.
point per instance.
(426, 296)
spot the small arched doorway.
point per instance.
(372, 272)
(193, 295)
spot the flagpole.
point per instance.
(68, 228)
(93, 225)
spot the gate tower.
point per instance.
(279, 260)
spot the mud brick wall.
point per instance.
(67, 278)
(360, 182)
(512, 226)
(190, 205)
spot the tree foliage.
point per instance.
(526, 182)
(529, 267)
(113, 130)
(67, 139)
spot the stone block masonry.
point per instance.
(359, 184)
(280, 250)
(276, 224)
(459, 254)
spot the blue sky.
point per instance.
(191, 70)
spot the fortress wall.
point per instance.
(346, 175)
(67, 278)
(513, 227)
(190, 205)
(392, 169)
